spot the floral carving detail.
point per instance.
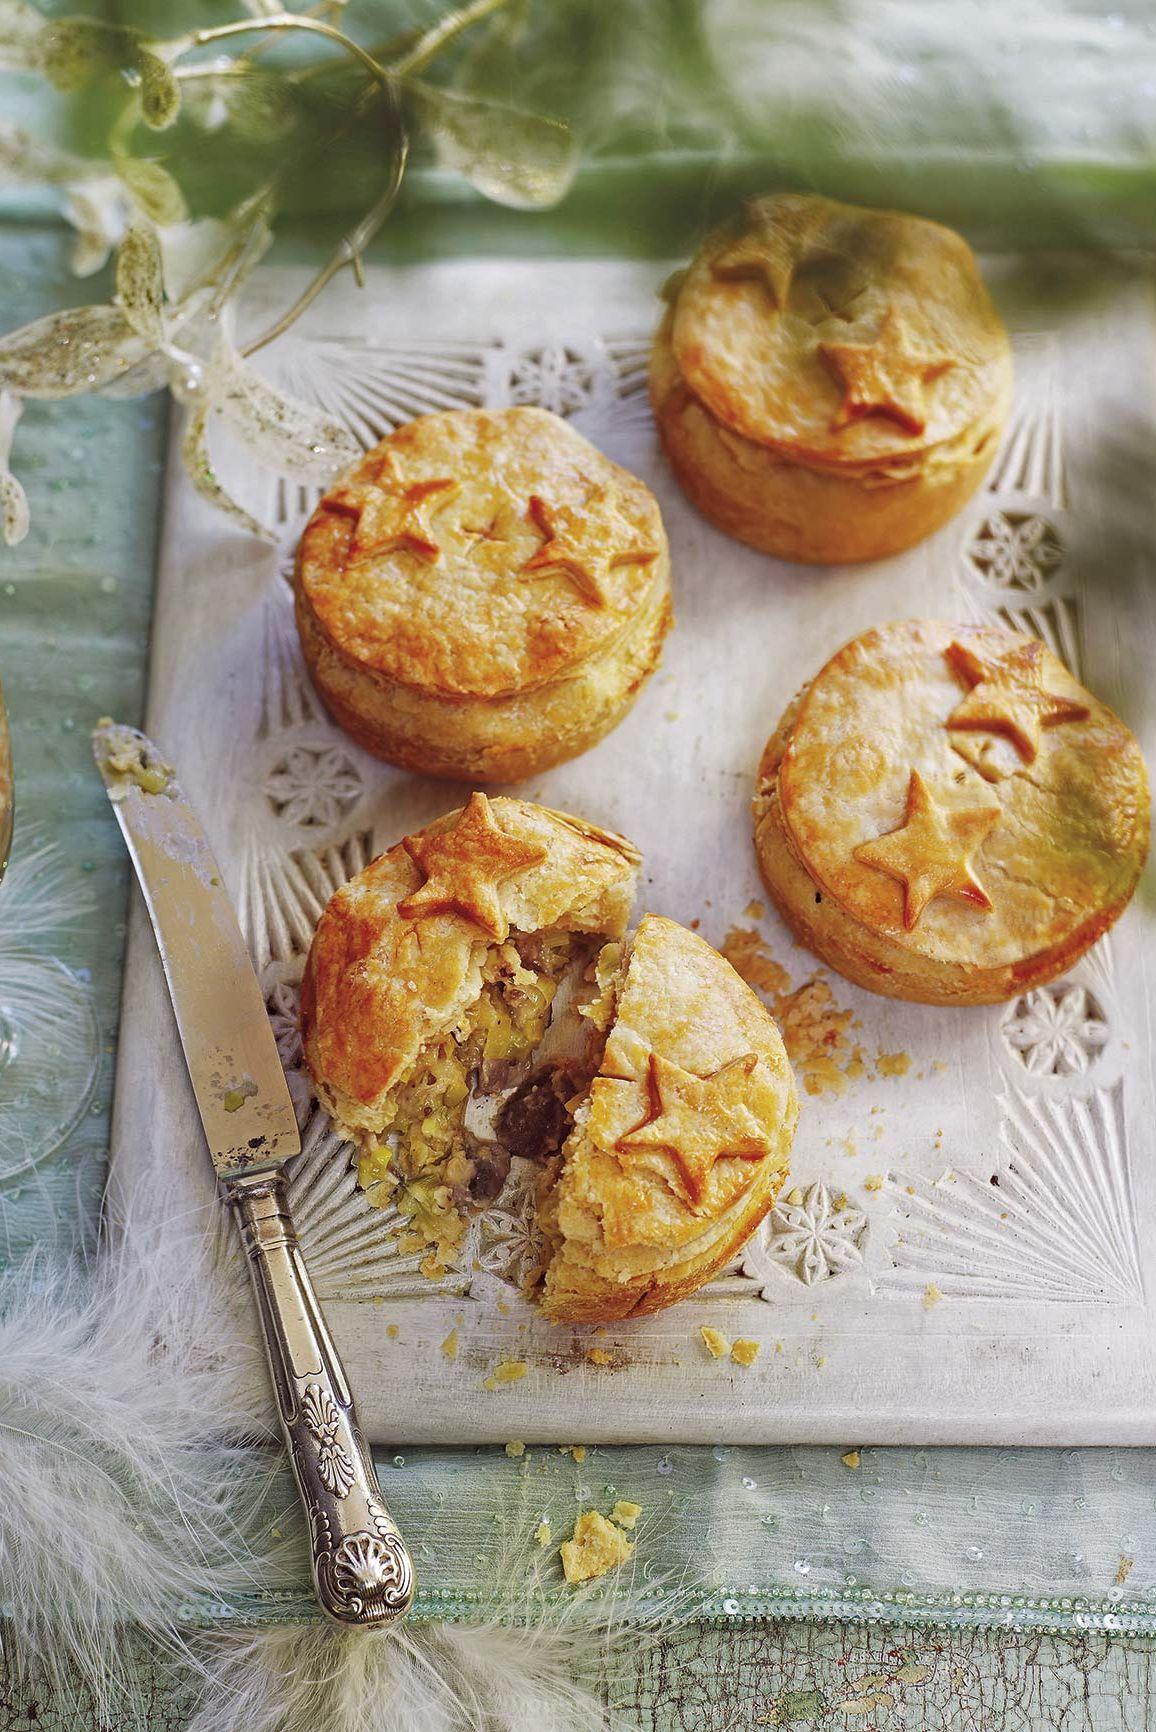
(285, 1017)
(817, 1236)
(313, 786)
(282, 1001)
(553, 378)
(1016, 551)
(510, 1245)
(1056, 1030)
(323, 1421)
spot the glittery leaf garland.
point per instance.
(161, 330)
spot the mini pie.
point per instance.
(830, 382)
(483, 595)
(945, 814)
(471, 999)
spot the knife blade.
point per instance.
(362, 1571)
(242, 1095)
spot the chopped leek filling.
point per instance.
(494, 1085)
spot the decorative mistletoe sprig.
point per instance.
(168, 323)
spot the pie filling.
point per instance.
(502, 1083)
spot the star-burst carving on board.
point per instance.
(392, 514)
(463, 868)
(884, 377)
(1008, 696)
(579, 542)
(699, 1119)
(930, 853)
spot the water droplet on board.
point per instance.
(664, 1465)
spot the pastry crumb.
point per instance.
(577, 1450)
(543, 1533)
(595, 1547)
(816, 1030)
(599, 1356)
(893, 1063)
(449, 1346)
(931, 1295)
(714, 1341)
(747, 953)
(744, 1351)
(755, 909)
(874, 1182)
(391, 1331)
(507, 1371)
(852, 1459)
(515, 1448)
(625, 1513)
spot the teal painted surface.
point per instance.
(796, 1677)
(75, 603)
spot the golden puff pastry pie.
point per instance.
(829, 382)
(474, 1014)
(945, 814)
(483, 595)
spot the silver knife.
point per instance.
(361, 1569)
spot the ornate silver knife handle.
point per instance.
(361, 1568)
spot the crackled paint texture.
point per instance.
(796, 1677)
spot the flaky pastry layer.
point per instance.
(483, 594)
(662, 1137)
(829, 382)
(1049, 833)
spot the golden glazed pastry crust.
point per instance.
(391, 965)
(830, 382)
(945, 814)
(679, 1125)
(682, 1145)
(483, 594)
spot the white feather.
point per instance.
(120, 1497)
(536, 1657)
(42, 894)
(548, 1674)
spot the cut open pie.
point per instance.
(473, 999)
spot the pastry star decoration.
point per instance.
(767, 256)
(699, 1119)
(577, 544)
(392, 513)
(1008, 696)
(463, 868)
(930, 854)
(884, 377)
(771, 252)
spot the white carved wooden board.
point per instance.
(1010, 1170)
